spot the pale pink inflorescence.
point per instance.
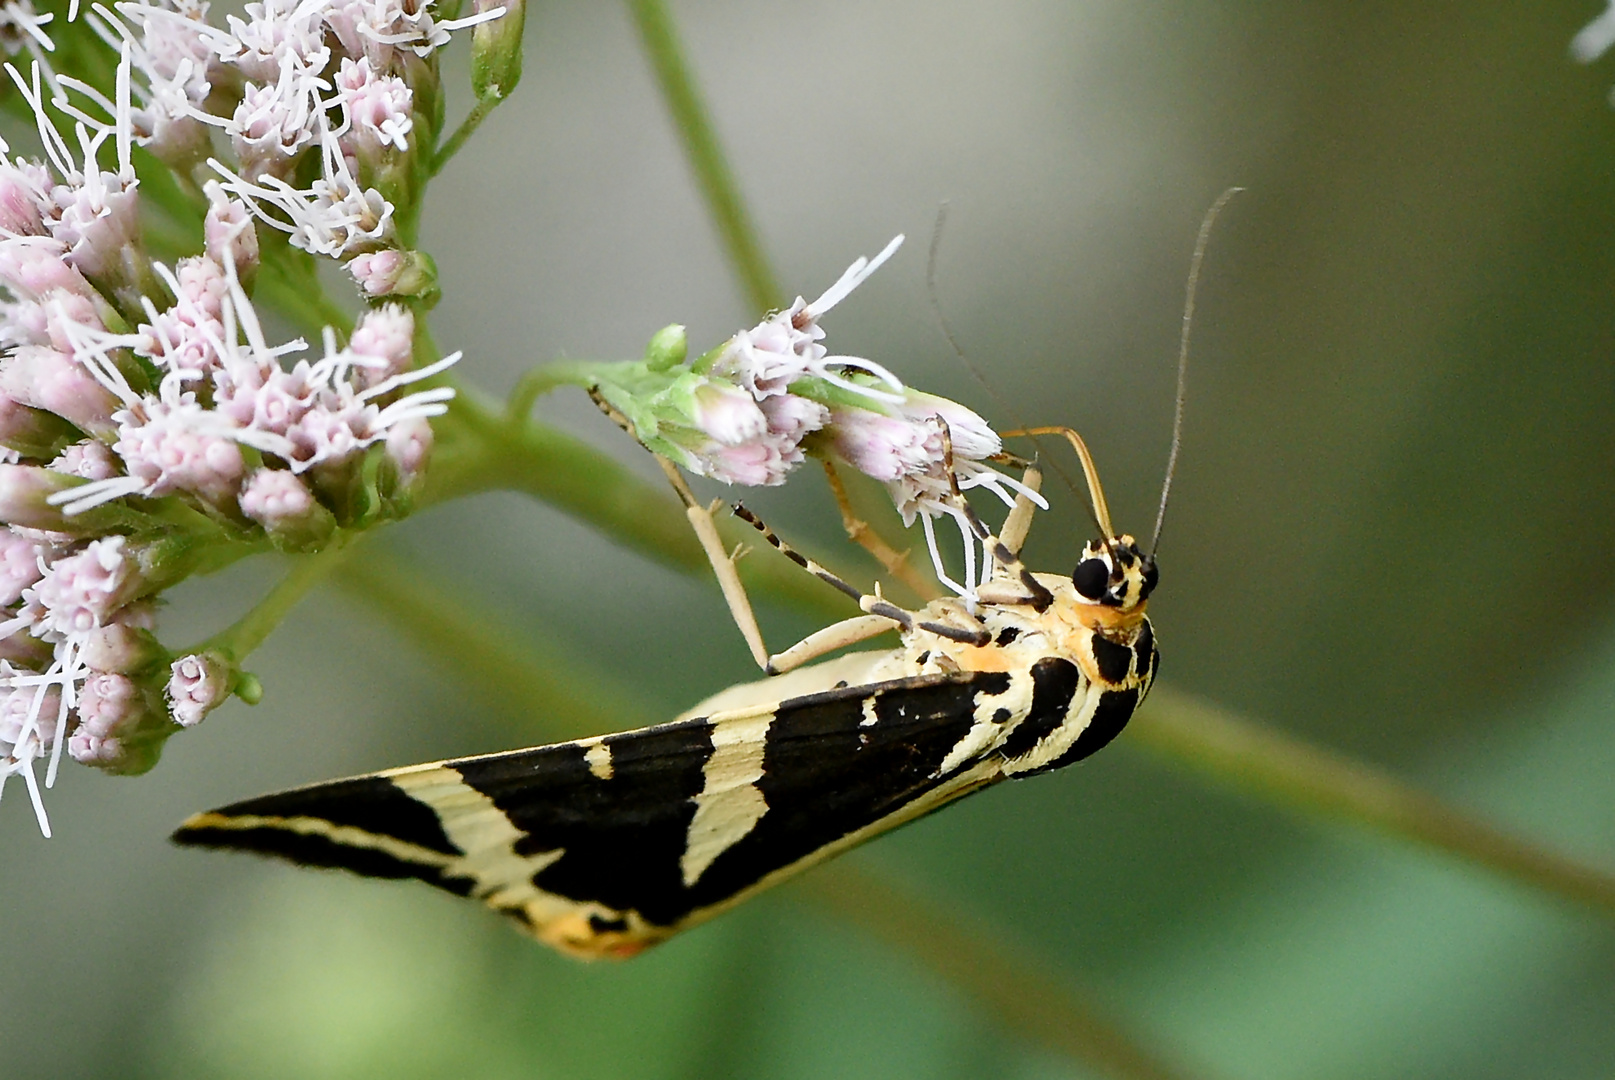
(120, 376)
(758, 421)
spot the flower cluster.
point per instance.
(751, 410)
(348, 83)
(149, 430)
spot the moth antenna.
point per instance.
(1096, 491)
(1190, 287)
(933, 296)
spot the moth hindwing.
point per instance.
(605, 846)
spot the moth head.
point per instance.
(1115, 573)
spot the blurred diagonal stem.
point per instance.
(1270, 764)
(706, 157)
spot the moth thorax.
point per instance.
(1115, 573)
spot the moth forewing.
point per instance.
(605, 846)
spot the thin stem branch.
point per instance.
(473, 120)
(248, 632)
(1004, 982)
(713, 175)
(542, 380)
(1280, 768)
(554, 698)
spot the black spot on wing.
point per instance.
(1007, 635)
(1143, 650)
(622, 837)
(1115, 709)
(313, 849)
(373, 804)
(1114, 660)
(1055, 681)
(825, 775)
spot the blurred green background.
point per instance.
(1391, 533)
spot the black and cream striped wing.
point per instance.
(605, 846)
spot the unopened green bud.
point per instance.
(667, 348)
(392, 272)
(496, 50)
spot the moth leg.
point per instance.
(723, 564)
(860, 532)
(832, 637)
(872, 604)
(706, 531)
(1008, 560)
(1019, 520)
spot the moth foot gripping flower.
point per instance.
(751, 410)
(149, 428)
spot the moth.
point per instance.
(603, 847)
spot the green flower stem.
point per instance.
(480, 449)
(1280, 768)
(542, 380)
(1006, 983)
(468, 127)
(712, 172)
(248, 632)
(551, 696)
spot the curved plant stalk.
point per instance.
(707, 160)
(1265, 762)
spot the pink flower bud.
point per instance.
(282, 503)
(391, 272)
(33, 269)
(791, 417)
(22, 194)
(378, 272)
(19, 566)
(98, 223)
(121, 645)
(199, 684)
(409, 447)
(81, 592)
(89, 459)
(110, 705)
(377, 107)
(53, 381)
(21, 736)
(881, 446)
(727, 414)
(753, 464)
(181, 449)
(383, 344)
(230, 234)
(24, 490)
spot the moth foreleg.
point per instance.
(723, 564)
(832, 637)
(1019, 521)
(860, 532)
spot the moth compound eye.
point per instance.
(1091, 578)
(1152, 574)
